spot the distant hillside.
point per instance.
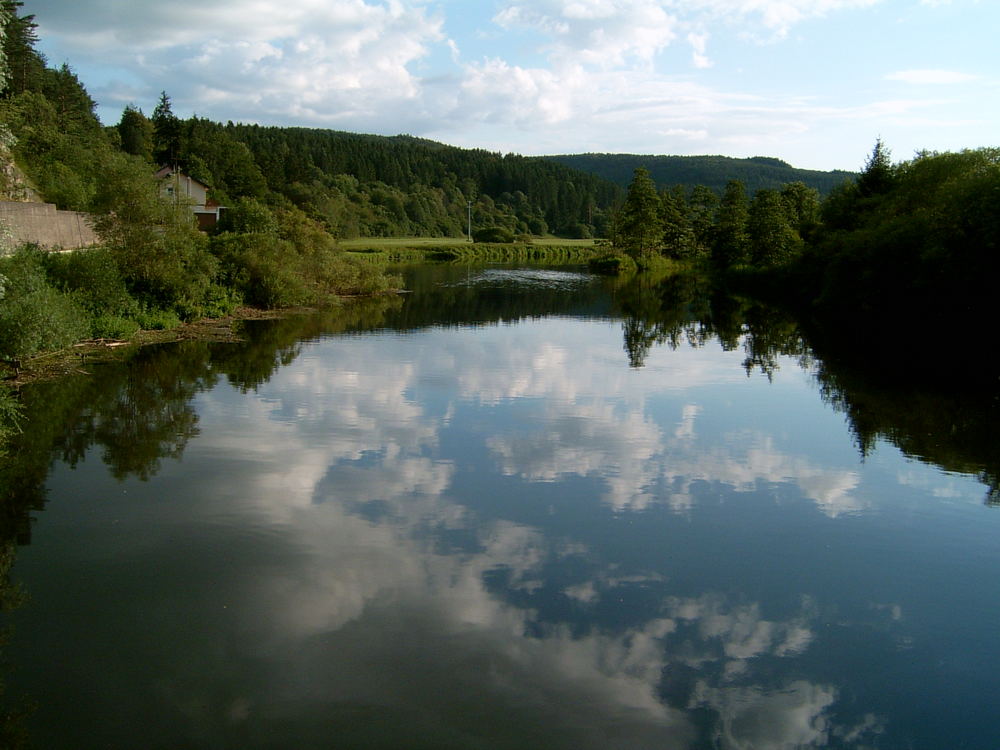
(712, 171)
(372, 185)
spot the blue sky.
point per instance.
(814, 82)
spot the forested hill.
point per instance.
(417, 186)
(712, 171)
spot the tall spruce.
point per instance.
(25, 65)
(136, 133)
(640, 219)
(703, 208)
(678, 236)
(732, 243)
(773, 239)
(166, 133)
(4, 20)
(878, 175)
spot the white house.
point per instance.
(177, 186)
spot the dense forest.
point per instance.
(372, 186)
(768, 230)
(713, 172)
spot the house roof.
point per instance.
(165, 172)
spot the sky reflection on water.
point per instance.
(503, 536)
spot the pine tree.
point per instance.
(639, 226)
(166, 133)
(773, 240)
(25, 66)
(878, 175)
(70, 100)
(4, 20)
(703, 208)
(731, 246)
(136, 133)
(678, 236)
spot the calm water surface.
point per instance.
(492, 514)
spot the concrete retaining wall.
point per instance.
(43, 224)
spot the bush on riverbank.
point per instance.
(493, 234)
(52, 300)
(34, 314)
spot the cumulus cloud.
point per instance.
(301, 61)
(604, 33)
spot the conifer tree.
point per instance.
(678, 236)
(136, 133)
(639, 227)
(4, 19)
(731, 240)
(878, 175)
(773, 240)
(166, 132)
(70, 100)
(25, 66)
(703, 208)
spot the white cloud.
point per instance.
(698, 43)
(298, 61)
(931, 77)
(602, 33)
(776, 16)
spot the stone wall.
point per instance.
(41, 223)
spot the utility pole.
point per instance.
(470, 220)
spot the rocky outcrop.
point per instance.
(14, 185)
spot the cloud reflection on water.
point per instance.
(367, 606)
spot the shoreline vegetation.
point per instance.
(378, 253)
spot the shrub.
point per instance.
(113, 327)
(35, 316)
(612, 265)
(493, 234)
(262, 268)
(157, 319)
(93, 278)
(248, 216)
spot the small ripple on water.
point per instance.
(525, 277)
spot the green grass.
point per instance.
(421, 249)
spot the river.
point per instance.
(514, 508)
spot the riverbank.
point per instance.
(75, 359)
